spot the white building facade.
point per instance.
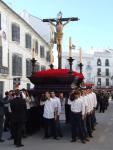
(97, 67)
(17, 40)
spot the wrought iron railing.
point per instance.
(4, 70)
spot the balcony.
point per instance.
(104, 74)
(4, 70)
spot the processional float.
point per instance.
(58, 80)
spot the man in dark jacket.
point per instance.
(18, 108)
(2, 103)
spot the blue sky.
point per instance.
(95, 28)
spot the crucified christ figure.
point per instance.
(59, 34)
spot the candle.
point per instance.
(70, 44)
(33, 53)
(51, 44)
(52, 58)
(80, 55)
(51, 61)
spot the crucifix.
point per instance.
(59, 32)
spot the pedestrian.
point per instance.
(57, 121)
(77, 114)
(2, 113)
(7, 118)
(49, 116)
(18, 117)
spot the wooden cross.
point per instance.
(59, 33)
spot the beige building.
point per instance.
(17, 40)
(97, 67)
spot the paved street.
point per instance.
(103, 137)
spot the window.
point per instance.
(106, 62)
(43, 67)
(0, 21)
(15, 32)
(42, 54)
(107, 82)
(1, 89)
(99, 82)
(28, 67)
(0, 51)
(99, 71)
(28, 41)
(107, 72)
(48, 56)
(16, 65)
(36, 47)
(99, 62)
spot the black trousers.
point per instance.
(17, 132)
(76, 125)
(1, 125)
(84, 128)
(34, 120)
(49, 127)
(7, 119)
(88, 124)
(67, 113)
(102, 106)
(93, 119)
(28, 123)
(58, 127)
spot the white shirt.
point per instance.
(77, 106)
(84, 100)
(62, 101)
(49, 109)
(69, 102)
(89, 106)
(57, 103)
(94, 99)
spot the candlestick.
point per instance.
(80, 55)
(70, 59)
(70, 44)
(33, 50)
(33, 61)
(81, 66)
